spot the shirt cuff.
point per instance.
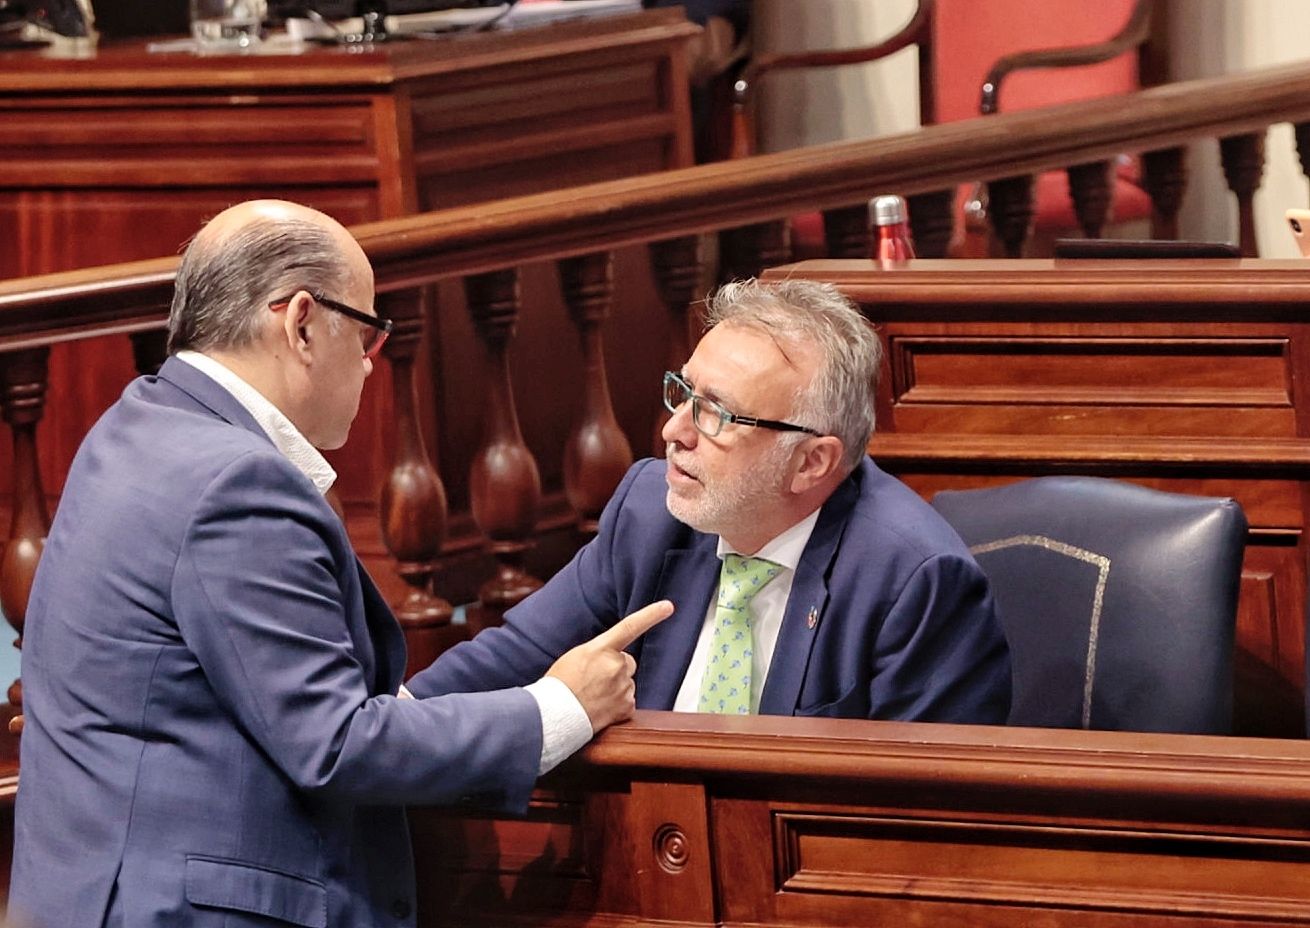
(565, 726)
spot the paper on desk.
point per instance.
(523, 13)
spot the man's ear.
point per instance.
(295, 325)
(820, 459)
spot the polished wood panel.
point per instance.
(699, 820)
(1186, 376)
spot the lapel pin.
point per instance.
(812, 619)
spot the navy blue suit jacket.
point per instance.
(211, 731)
(903, 622)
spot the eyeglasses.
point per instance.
(709, 417)
(372, 337)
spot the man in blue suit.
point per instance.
(213, 731)
(869, 605)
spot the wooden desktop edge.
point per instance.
(1206, 768)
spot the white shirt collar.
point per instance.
(785, 549)
(285, 436)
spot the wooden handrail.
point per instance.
(766, 187)
(652, 207)
(1139, 764)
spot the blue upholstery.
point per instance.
(1119, 602)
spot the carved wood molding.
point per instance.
(1120, 289)
(1269, 777)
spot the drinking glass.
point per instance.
(226, 25)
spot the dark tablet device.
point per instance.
(1142, 248)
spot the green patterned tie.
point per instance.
(726, 686)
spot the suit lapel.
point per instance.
(806, 605)
(689, 577)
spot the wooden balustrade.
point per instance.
(597, 453)
(662, 216)
(678, 264)
(23, 378)
(413, 502)
(1164, 177)
(504, 484)
(1243, 158)
(932, 222)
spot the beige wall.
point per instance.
(1211, 37)
(816, 106)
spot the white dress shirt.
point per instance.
(766, 609)
(565, 726)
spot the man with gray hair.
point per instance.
(215, 732)
(805, 580)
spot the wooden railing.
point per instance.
(582, 232)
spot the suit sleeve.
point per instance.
(578, 603)
(260, 594)
(940, 655)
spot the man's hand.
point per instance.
(599, 672)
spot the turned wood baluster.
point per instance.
(1089, 188)
(1243, 158)
(1010, 209)
(678, 264)
(747, 250)
(932, 222)
(596, 453)
(1164, 175)
(504, 484)
(413, 503)
(846, 231)
(23, 382)
(1302, 132)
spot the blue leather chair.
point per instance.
(1119, 602)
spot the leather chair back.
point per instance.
(1119, 602)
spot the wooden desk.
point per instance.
(121, 155)
(116, 156)
(1187, 376)
(696, 820)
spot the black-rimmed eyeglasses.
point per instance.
(375, 330)
(709, 417)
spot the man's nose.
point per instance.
(679, 427)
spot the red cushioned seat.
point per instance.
(969, 37)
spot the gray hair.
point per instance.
(839, 398)
(224, 283)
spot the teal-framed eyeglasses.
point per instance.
(709, 417)
(375, 330)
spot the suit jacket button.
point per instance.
(400, 908)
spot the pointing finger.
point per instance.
(627, 630)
